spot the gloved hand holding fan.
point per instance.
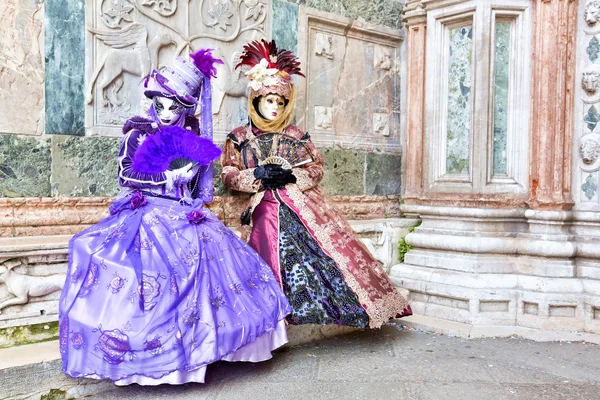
(274, 176)
(175, 152)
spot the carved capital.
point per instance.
(415, 13)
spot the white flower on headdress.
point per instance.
(260, 75)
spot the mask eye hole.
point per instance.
(269, 101)
(173, 107)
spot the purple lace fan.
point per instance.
(172, 148)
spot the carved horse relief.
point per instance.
(22, 286)
(229, 82)
(131, 36)
(129, 53)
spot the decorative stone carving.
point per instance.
(128, 38)
(22, 67)
(22, 286)
(589, 150)
(589, 187)
(137, 59)
(230, 81)
(381, 124)
(592, 12)
(166, 8)
(382, 58)
(323, 118)
(590, 81)
(323, 45)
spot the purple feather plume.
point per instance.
(158, 151)
(204, 61)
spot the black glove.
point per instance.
(268, 171)
(279, 182)
(246, 216)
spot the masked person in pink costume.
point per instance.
(326, 273)
(161, 288)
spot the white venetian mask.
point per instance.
(167, 110)
(271, 106)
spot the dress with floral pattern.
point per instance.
(161, 288)
(327, 273)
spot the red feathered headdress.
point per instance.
(270, 69)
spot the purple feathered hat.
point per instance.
(183, 79)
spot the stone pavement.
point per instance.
(392, 363)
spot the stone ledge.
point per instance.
(544, 304)
(453, 328)
(41, 216)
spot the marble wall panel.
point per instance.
(458, 129)
(381, 12)
(83, 167)
(64, 55)
(24, 166)
(351, 94)
(285, 25)
(21, 67)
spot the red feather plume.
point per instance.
(256, 51)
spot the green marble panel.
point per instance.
(501, 76)
(85, 166)
(344, 172)
(459, 102)
(380, 12)
(285, 25)
(25, 165)
(65, 64)
(382, 176)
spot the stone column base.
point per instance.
(504, 272)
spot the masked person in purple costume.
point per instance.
(161, 288)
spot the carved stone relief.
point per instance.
(382, 58)
(592, 15)
(590, 81)
(126, 39)
(381, 124)
(21, 287)
(323, 45)
(587, 144)
(589, 150)
(323, 118)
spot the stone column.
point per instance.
(416, 21)
(553, 82)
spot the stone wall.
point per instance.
(56, 143)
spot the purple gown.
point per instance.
(161, 288)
